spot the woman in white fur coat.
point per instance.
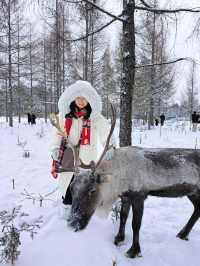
(80, 118)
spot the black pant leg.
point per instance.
(67, 200)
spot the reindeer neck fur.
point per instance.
(106, 192)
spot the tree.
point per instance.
(89, 50)
(11, 29)
(128, 75)
(129, 62)
(108, 80)
(191, 92)
(154, 84)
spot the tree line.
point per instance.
(137, 74)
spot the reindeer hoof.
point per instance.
(133, 253)
(118, 239)
(182, 236)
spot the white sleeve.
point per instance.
(55, 143)
(103, 129)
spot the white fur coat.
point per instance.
(100, 126)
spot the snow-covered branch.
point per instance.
(163, 11)
(167, 63)
(104, 11)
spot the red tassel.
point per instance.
(85, 135)
(85, 138)
(68, 124)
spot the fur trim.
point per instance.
(84, 89)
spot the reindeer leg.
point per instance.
(125, 207)
(183, 234)
(137, 202)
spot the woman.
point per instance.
(80, 118)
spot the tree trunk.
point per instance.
(10, 67)
(192, 91)
(18, 73)
(58, 48)
(63, 48)
(151, 107)
(128, 77)
(6, 83)
(92, 46)
(86, 42)
(45, 84)
(31, 70)
(51, 78)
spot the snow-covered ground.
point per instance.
(56, 244)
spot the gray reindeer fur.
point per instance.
(134, 173)
(140, 169)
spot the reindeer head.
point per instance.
(86, 187)
(85, 190)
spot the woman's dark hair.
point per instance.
(74, 108)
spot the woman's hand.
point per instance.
(55, 168)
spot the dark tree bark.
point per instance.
(18, 69)
(10, 67)
(151, 107)
(31, 69)
(86, 42)
(128, 76)
(6, 85)
(45, 82)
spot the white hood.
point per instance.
(84, 89)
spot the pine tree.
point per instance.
(10, 240)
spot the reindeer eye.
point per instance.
(91, 192)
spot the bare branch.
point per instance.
(92, 33)
(104, 11)
(145, 4)
(162, 11)
(73, 2)
(85, 36)
(167, 63)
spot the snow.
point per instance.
(56, 243)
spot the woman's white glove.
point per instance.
(55, 154)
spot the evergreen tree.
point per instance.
(10, 239)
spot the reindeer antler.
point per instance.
(113, 122)
(55, 122)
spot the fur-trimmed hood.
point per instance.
(84, 89)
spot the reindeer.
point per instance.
(133, 174)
